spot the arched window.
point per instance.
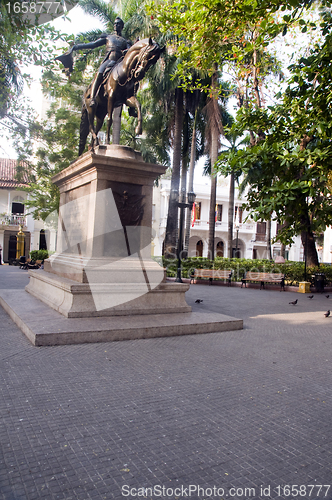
(42, 240)
(220, 249)
(17, 205)
(199, 248)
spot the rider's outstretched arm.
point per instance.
(90, 45)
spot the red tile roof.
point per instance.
(8, 175)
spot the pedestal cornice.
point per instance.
(126, 164)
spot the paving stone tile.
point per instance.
(244, 408)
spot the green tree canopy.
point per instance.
(212, 32)
(22, 43)
(289, 169)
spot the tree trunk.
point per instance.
(212, 215)
(215, 130)
(231, 216)
(307, 237)
(182, 199)
(172, 217)
(268, 239)
(310, 251)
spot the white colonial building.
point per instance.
(250, 241)
(13, 214)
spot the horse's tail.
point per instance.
(84, 130)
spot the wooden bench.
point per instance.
(263, 278)
(211, 274)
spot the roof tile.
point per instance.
(8, 175)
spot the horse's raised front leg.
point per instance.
(132, 102)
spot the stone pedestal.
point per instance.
(103, 264)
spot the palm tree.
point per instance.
(216, 116)
(196, 151)
(172, 216)
(227, 149)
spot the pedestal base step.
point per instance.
(45, 327)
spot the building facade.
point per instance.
(13, 214)
(249, 237)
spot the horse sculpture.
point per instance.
(119, 87)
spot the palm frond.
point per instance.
(97, 8)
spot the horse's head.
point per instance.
(148, 54)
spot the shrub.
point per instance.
(38, 254)
(42, 254)
(294, 271)
(34, 255)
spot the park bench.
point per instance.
(263, 278)
(212, 274)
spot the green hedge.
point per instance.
(38, 254)
(294, 271)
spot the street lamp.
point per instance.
(182, 205)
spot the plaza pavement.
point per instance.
(229, 413)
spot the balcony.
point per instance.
(260, 237)
(13, 219)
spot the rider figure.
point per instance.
(116, 47)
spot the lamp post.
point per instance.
(237, 228)
(182, 205)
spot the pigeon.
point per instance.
(327, 314)
(294, 302)
(327, 296)
(198, 301)
(310, 296)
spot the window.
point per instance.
(261, 231)
(197, 210)
(199, 248)
(42, 240)
(261, 228)
(218, 213)
(276, 252)
(240, 210)
(220, 249)
(17, 207)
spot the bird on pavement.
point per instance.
(310, 296)
(327, 314)
(294, 302)
(198, 301)
(327, 296)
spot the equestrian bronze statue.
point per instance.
(116, 82)
(119, 87)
